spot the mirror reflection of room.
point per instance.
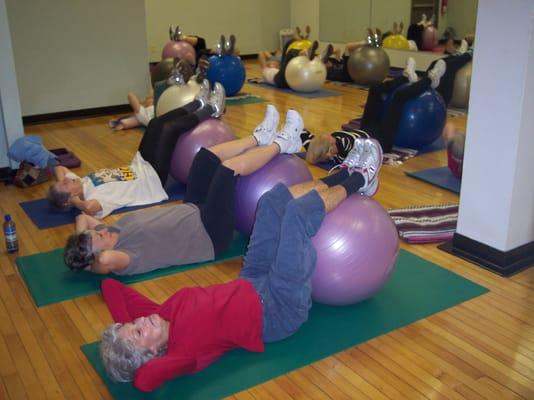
(446, 22)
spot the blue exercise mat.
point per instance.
(441, 177)
(312, 95)
(44, 216)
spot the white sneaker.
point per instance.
(217, 99)
(365, 158)
(436, 73)
(204, 92)
(265, 132)
(409, 71)
(288, 138)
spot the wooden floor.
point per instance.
(482, 349)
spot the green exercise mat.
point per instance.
(50, 281)
(241, 100)
(416, 290)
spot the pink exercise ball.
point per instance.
(207, 133)
(179, 49)
(430, 38)
(357, 247)
(284, 168)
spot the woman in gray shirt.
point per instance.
(199, 229)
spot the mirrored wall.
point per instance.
(342, 21)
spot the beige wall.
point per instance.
(255, 23)
(385, 12)
(461, 15)
(73, 54)
(305, 12)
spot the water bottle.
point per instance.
(10, 232)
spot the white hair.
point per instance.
(121, 357)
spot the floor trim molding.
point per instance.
(504, 263)
(75, 114)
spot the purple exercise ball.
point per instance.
(284, 168)
(208, 133)
(179, 49)
(357, 247)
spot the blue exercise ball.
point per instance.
(229, 71)
(422, 121)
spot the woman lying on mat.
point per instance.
(375, 123)
(273, 66)
(151, 343)
(440, 76)
(271, 62)
(105, 190)
(198, 230)
(144, 111)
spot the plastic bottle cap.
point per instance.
(7, 217)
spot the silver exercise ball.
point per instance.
(162, 71)
(462, 84)
(305, 75)
(177, 96)
(368, 65)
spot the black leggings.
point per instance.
(383, 126)
(337, 70)
(201, 49)
(211, 187)
(161, 135)
(415, 33)
(287, 56)
(454, 63)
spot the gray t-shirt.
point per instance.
(160, 237)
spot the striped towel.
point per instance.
(425, 224)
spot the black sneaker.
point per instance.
(184, 69)
(378, 37)
(177, 34)
(328, 53)
(312, 52)
(222, 44)
(231, 48)
(299, 36)
(202, 68)
(307, 30)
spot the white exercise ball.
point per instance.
(305, 75)
(177, 96)
(462, 87)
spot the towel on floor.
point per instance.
(425, 224)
